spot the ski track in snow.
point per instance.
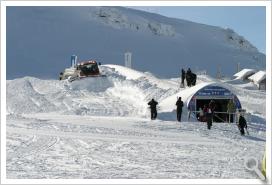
(80, 130)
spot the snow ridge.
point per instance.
(116, 19)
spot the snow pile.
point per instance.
(127, 72)
(119, 93)
(123, 92)
(23, 98)
(245, 73)
(258, 77)
(96, 84)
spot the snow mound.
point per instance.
(123, 92)
(127, 72)
(23, 98)
(92, 84)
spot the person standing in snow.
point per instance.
(182, 77)
(153, 108)
(231, 110)
(212, 107)
(193, 79)
(188, 77)
(209, 117)
(242, 124)
(205, 110)
(179, 105)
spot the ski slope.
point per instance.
(100, 128)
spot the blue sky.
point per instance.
(248, 21)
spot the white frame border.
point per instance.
(4, 4)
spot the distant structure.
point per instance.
(244, 74)
(259, 79)
(238, 67)
(73, 60)
(219, 72)
(128, 59)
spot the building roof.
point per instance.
(258, 77)
(244, 73)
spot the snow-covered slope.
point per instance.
(40, 41)
(100, 128)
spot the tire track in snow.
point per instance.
(34, 148)
(111, 137)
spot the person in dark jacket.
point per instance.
(193, 79)
(212, 106)
(182, 77)
(153, 108)
(188, 77)
(209, 117)
(242, 124)
(179, 105)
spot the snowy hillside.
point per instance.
(40, 41)
(101, 128)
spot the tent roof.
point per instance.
(167, 104)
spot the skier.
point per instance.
(242, 124)
(231, 110)
(182, 77)
(179, 105)
(153, 107)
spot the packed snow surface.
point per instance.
(100, 128)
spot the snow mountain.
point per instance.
(40, 41)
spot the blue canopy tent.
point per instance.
(221, 96)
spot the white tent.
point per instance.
(201, 94)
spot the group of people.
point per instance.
(206, 114)
(189, 76)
